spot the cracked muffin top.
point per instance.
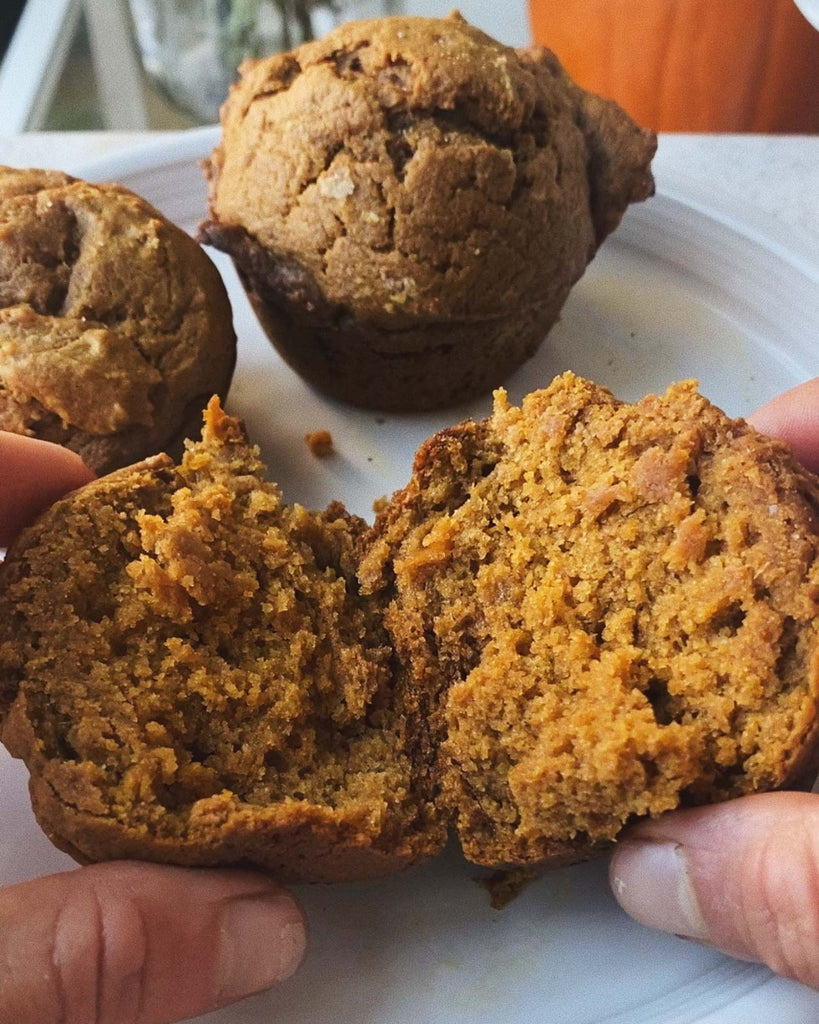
(115, 327)
(412, 168)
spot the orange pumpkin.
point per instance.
(691, 65)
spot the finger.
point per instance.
(33, 474)
(794, 417)
(742, 876)
(127, 943)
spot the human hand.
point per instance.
(742, 876)
(123, 941)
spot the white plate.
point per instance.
(681, 290)
(810, 8)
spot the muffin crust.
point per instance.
(408, 204)
(115, 327)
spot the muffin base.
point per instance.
(412, 369)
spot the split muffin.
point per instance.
(578, 613)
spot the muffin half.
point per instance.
(194, 677)
(612, 610)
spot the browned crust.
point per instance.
(415, 245)
(115, 326)
(296, 843)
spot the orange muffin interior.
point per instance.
(578, 612)
(204, 638)
(616, 607)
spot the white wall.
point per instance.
(506, 20)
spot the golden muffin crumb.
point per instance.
(203, 683)
(617, 608)
(320, 443)
(577, 613)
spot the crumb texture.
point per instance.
(204, 679)
(617, 605)
(115, 328)
(578, 612)
(409, 203)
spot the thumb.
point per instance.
(33, 474)
(742, 876)
(793, 417)
(141, 943)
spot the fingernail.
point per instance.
(652, 883)
(263, 939)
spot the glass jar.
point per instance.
(191, 48)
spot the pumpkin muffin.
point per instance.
(115, 327)
(609, 611)
(408, 204)
(578, 612)
(204, 684)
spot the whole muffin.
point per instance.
(408, 203)
(115, 327)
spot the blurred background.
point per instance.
(675, 65)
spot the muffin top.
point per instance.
(113, 322)
(413, 167)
